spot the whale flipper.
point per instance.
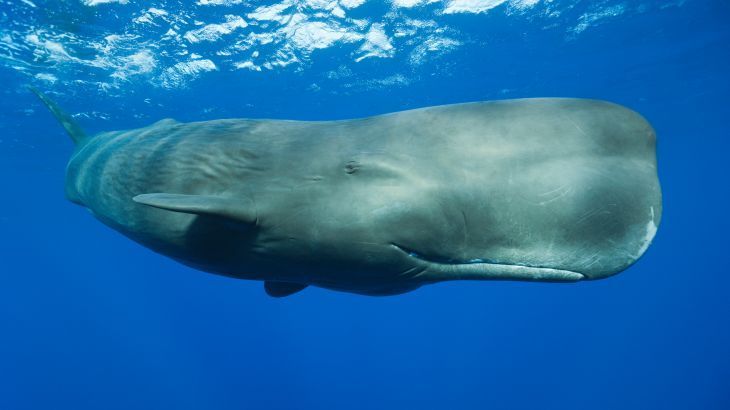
(228, 208)
(72, 128)
(281, 289)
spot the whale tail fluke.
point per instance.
(72, 128)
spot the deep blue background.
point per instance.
(91, 320)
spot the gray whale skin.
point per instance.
(545, 189)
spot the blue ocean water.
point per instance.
(91, 320)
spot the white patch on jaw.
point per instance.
(651, 229)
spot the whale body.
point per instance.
(546, 189)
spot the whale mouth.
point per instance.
(489, 269)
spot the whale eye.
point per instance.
(352, 166)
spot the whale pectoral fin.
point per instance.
(229, 208)
(281, 289)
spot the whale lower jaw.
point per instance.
(495, 271)
(482, 270)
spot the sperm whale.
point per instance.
(542, 189)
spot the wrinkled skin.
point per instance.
(535, 189)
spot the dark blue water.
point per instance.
(91, 320)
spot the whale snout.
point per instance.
(617, 256)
